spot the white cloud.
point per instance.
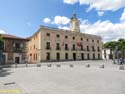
(2, 31)
(106, 29)
(100, 13)
(70, 1)
(61, 20)
(100, 5)
(123, 16)
(64, 27)
(46, 20)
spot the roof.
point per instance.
(11, 36)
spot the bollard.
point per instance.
(38, 65)
(88, 65)
(121, 67)
(102, 66)
(26, 62)
(15, 65)
(58, 65)
(71, 65)
(49, 65)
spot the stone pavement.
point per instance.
(78, 79)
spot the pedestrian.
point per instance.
(121, 61)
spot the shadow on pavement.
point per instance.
(5, 71)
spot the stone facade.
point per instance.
(52, 44)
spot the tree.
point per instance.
(1, 48)
(122, 46)
(111, 45)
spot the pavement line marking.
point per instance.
(11, 91)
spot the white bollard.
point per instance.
(88, 65)
(58, 65)
(121, 67)
(71, 65)
(102, 66)
(49, 65)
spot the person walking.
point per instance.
(121, 61)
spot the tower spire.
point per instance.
(74, 23)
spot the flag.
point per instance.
(79, 44)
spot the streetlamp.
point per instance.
(115, 53)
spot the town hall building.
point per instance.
(52, 44)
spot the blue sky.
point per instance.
(23, 17)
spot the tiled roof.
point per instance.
(10, 36)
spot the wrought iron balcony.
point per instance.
(48, 48)
(17, 49)
(58, 48)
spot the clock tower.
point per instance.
(74, 24)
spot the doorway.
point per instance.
(82, 56)
(74, 56)
(17, 60)
(58, 56)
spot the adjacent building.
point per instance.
(14, 49)
(52, 44)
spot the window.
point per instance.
(93, 56)
(47, 56)
(87, 48)
(48, 45)
(34, 46)
(73, 47)
(66, 46)
(57, 46)
(73, 38)
(81, 38)
(97, 41)
(58, 56)
(66, 56)
(48, 34)
(99, 56)
(81, 47)
(88, 57)
(57, 35)
(99, 49)
(2, 47)
(17, 45)
(87, 40)
(66, 37)
(36, 56)
(93, 49)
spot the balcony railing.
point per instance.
(73, 49)
(58, 48)
(48, 48)
(17, 49)
(66, 48)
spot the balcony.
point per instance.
(98, 50)
(73, 49)
(58, 48)
(66, 48)
(19, 50)
(93, 50)
(48, 48)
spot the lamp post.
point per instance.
(115, 53)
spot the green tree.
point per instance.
(1, 48)
(1, 43)
(122, 46)
(111, 45)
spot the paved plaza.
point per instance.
(69, 78)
